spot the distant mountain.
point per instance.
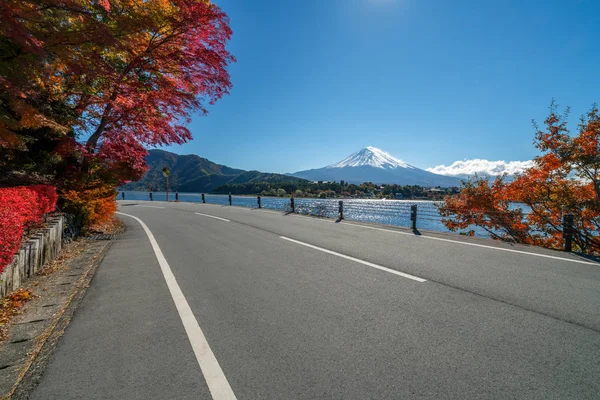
(191, 173)
(374, 165)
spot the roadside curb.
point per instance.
(38, 356)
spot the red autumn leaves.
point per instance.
(94, 83)
(22, 208)
(565, 179)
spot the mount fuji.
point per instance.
(374, 165)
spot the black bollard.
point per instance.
(258, 200)
(229, 198)
(203, 199)
(293, 205)
(413, 216)
(341, 209)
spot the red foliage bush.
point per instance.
(21, 208)
(47, 197)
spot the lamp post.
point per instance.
(166, 172)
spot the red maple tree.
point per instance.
(120, 74)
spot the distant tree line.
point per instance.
(333, 189)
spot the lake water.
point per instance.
(389, 212)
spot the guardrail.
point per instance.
(409, 214)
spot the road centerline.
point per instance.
(213, 374)
(212, 216)
(357, 260)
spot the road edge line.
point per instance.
(213, 374)
(475, 244)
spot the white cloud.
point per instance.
(481, 167)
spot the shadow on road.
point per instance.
(587, 257)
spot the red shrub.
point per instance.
(47, 197)
(21, 208)
(10, 235)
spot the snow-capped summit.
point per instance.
(374, 165)
(373, 157)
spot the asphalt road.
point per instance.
(260, 305)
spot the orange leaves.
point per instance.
(484, 205)
(564, 179)
(23, 116)
(94, 202)
(30, 117)
(19, 297)
(549, 162)
(9, 307)
(587, 142)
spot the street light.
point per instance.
(166, 172)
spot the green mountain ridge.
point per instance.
(192, 173)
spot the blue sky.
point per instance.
(429, 81)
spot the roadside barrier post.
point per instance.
(341, 209)
(203, 199)
(568, 231)
(258, 201)
(292, 205)
(413, 216)
(229, 198)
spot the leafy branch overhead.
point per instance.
(91, 84)
(123, 69)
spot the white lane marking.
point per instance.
(379, 229)
(139, 205)
(370, 264)
(476, 245)
(212, 216)
(513, 251)
(448, 240)
(265, 210)
(213, 374)
(249, 209)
